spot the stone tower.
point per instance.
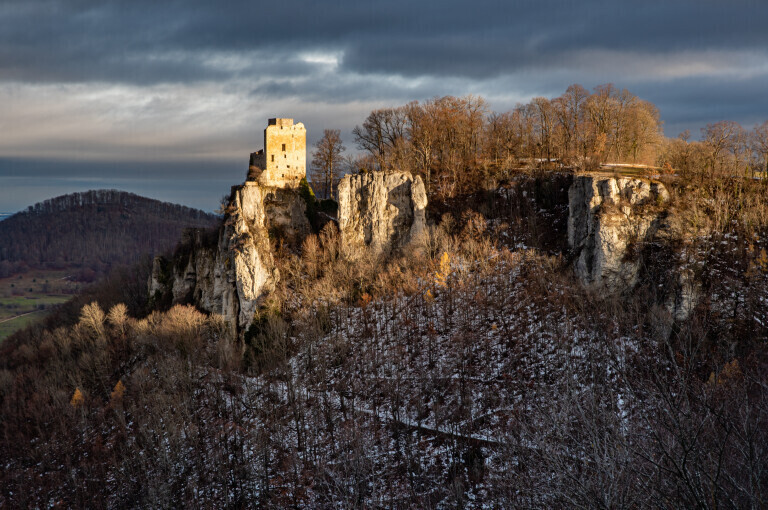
(283, 161)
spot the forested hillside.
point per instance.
(470, 368)
(461, 373)
(93, 231)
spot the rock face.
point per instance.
(608, 217)
(380, 210)
(231, 273)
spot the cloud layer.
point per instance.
(175, 83)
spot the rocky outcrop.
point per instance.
(609, 217)
(381, 211)
(230, 273)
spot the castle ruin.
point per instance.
(282, 162)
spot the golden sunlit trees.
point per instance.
(545, 117)
(600, 108)
(423, 129)
(759, 144)
(383, 135)
(569, 109)
(460, 122)
(118, 317)
(77, 399)
(643, 133)
(441, 140)
(502, 141)
(621, 127)
(92, 319)
(725, 150)
(683, 156)
(458, 146)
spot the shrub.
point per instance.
(266, 343)
(328, 206)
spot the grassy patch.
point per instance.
(28, 297)
(11, 326)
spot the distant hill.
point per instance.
(92, 231)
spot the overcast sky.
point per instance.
(168, 98)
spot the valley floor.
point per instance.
(27, 298)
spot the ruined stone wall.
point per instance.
(256, 165)
(285, 154)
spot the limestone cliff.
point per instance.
(381, 211)
(232, 273)
(608, 216)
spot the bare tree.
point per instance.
(760, 143)
(383, 135)
(569, 109)
(719, 138)
(423, 131)
(502, 143)
(326, 161)
(643, 131)
(546, 122)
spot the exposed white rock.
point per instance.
(686, 296)
(232, 274)
(607, 215)
(381, 211)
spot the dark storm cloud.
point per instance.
(691, 103)
(331, 89)
(551, 34)
(142, 41)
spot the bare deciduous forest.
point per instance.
(458, 145)
(471, 370)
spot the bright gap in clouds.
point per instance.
(330, 59)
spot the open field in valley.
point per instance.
(29, 297)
